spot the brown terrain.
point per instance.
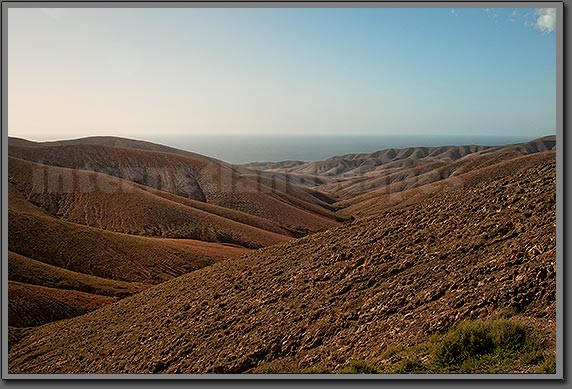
(105, 202)
(119, 210)
(193, 178)
(130, 257)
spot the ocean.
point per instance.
(263, 148)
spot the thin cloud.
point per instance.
(540, 19)
(545, 19)
(492, 14)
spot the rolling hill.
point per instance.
(364, 184)
(361, 164)
(74, 268)
(200, 179)
(461, 174)
(348, 176)
(96, 219)
(25, 270)
(109, 203)
(107, 254)
(352, 292)
(33, 305)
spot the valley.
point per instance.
(132, 257)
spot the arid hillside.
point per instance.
(113, 204)
(25, 270)
(200, 179)
(481, 250)
(351, 177)
(460, 174)
(360, 164)
(32, 305)
(53, 262)
(89, 213)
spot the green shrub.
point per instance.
(266, 369)
(391, 351)
(411, 365)
(549, 365)
(466, 341)
(359, 367)
(509, 335)
(491, 345)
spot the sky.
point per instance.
(138, 72)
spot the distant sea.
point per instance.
(263, 148)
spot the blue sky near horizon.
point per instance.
(178, 72)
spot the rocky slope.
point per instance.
(346, 293)
(461, 174)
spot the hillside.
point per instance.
(348, 293)
(352, 177)
(198, 179)
(109, 203)
(112, 141)
(33, 305)
(125, 143)
(107, 254)
(458, 175)
(359, 164)
(30, 271)
(74, 269)
(96, 219)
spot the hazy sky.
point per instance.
(141, 72)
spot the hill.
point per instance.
(460, 174)
(349, 293)
(112, 141)
(107, 254)
(33, 305)
(30, 271)
(67, 269)
(347, 177)
(109, 203)
(97, 219)
(359, 164)
(196, 178)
